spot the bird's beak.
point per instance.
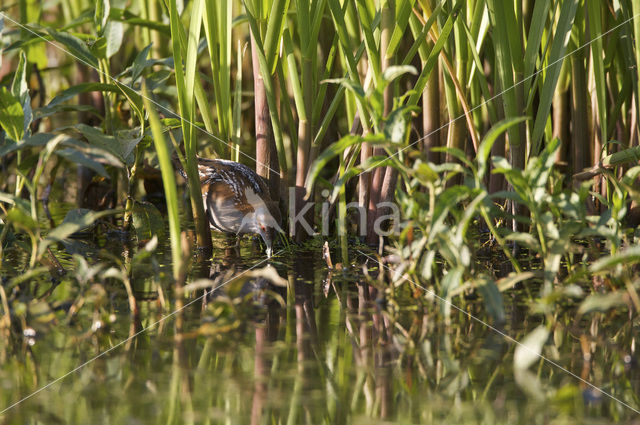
(266, 237)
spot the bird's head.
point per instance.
(263, 220)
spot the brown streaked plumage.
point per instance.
(237, 200)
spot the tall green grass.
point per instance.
(566, 72)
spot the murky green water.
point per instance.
(327, 348)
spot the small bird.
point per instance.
(237, 200)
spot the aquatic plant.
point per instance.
(483, 163)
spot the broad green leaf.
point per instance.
(351, 172)
(11, 115)
(75, 90)
(20, 218)
(328, 154)
(75, 46)
(38, 139)
(114, 33)
(20, 203)
(340, 146)
(397, 124)
(525, 239)
(147, 221)
(45, 111)
(140, 63)
(80, 158)
(121, 145)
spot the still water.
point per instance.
(325, 346)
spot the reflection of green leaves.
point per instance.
(11, 115)
(492, 298)
(40, 313)
(147, 221)
(75, 221)
(450, 282)
(528, 351)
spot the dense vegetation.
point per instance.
(505, 133)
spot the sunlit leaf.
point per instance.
(528, 351)
(20, 218)
(603, 302)
(20, 89)
(627, 257)
(114, 33)
(396, 71)
(11, 115)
